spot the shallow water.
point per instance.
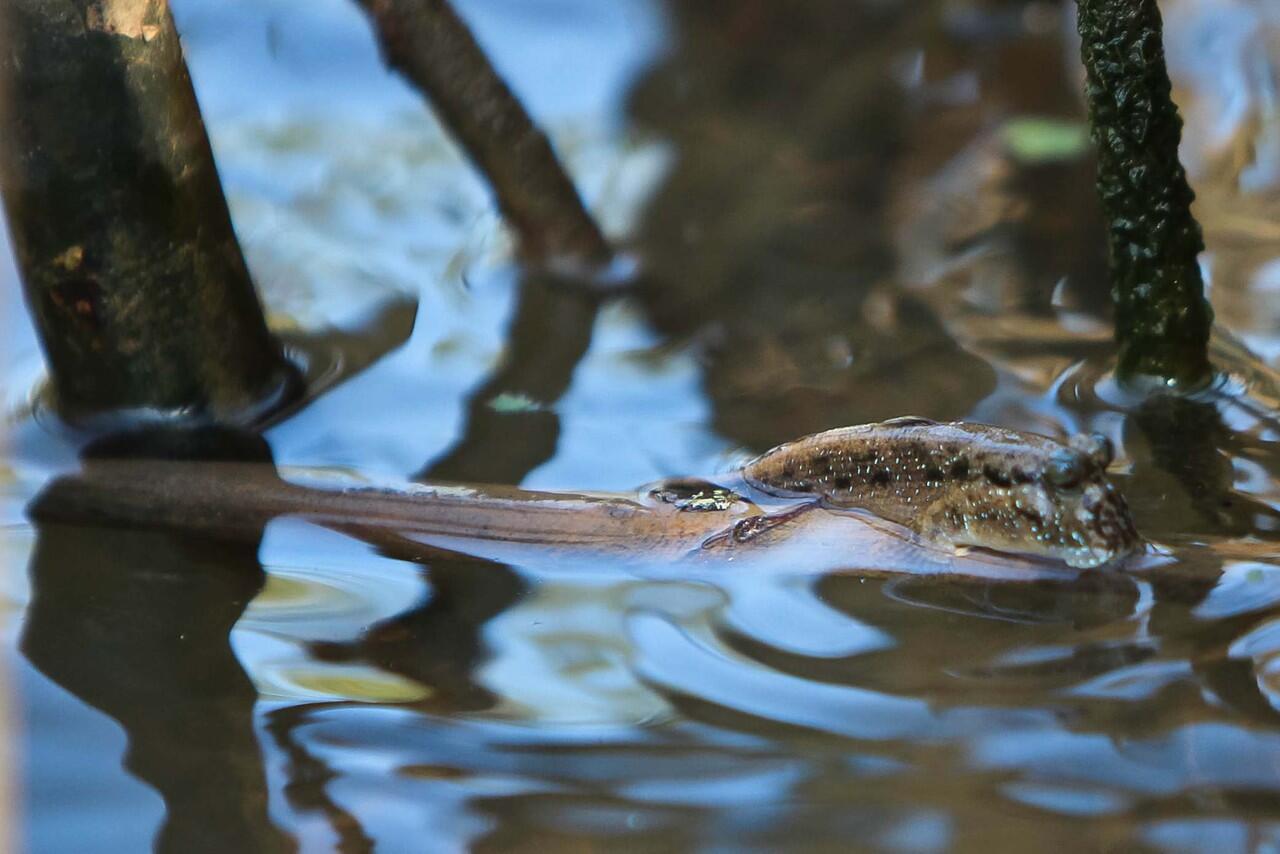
(843, 213)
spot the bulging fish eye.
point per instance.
(1064, 469)
(1096, 447)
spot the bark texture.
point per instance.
(1162, 316)
(131, 268)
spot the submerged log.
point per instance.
(130, 265)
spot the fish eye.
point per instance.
(1065, 469)
(1096, 447)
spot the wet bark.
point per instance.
(131, 269)
(1162, 316)
(429, 44)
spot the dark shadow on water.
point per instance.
(333, 356)
(137, 625)
(141, 631)
(437, 643)
(1184, 468)
(309, 777)
(511, 427)
(1184, 479)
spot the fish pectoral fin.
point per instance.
(752, 527)
(882, 519)
(931, 524)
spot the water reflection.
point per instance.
(767, 242)
(436, 644)
(546, 339)
(1187, 441)
(308, 781)
(823, 740)
(137, 624)
(992, 652)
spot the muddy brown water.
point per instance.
(843, 213)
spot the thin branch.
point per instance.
(429, 44)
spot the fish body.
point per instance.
(963, 484)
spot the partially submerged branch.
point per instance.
(428, 43)
(1162, 317)
(130, 265)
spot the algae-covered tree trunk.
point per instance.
(1162, 317)
(131, 268)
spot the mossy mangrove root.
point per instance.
(1162, 317)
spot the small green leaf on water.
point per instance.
(1042, 140)
(447, 346)
(513, 402)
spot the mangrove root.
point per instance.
(1162, 317)
(131, 269)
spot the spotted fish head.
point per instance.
(1060, 506)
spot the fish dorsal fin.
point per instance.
(908, 421)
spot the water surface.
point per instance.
(843, 213)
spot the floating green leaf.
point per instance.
(1037, 139)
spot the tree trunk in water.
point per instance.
(131, 268)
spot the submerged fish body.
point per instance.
(963, 485)
(893, 497)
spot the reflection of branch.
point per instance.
(1188, 441)
(308, 777)
(137, 624)
(427, 42)
(144, 637)
(437, 643)
(549, 335)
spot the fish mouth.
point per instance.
(1092, 557)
